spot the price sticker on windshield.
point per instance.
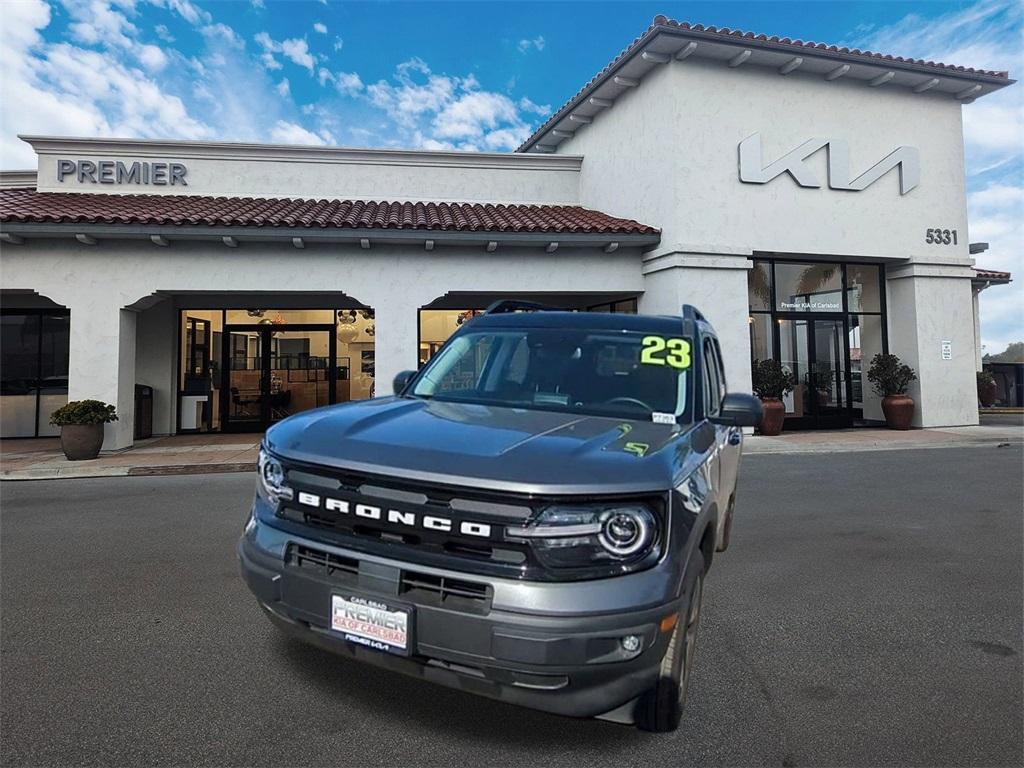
(657, 350)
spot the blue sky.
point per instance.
(475, 76)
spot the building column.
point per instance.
(101, 365)
(930, 311)
(396, 336)
(716, 284)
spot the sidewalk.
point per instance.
(42, 458)
(863, 439)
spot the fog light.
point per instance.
(630, 643)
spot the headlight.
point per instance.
(271, 479)
(569, 536)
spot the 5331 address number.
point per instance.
(940, 236)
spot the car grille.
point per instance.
(444, 549)
(417, 587)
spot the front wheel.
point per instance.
(661, 708)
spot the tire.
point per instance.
(661, 708)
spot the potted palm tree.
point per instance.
(987, 389)
(890, 377)
(81, 427)
(771, 382)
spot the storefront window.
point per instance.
(808, 287)
(242, 370)
(863, 288)
(866, 341)
(761, 346)
(279, 316)
(759, 286)
(33, 372)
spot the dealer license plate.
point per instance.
(371, 623)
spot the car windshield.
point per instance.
(606, 373)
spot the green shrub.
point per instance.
(771, 379)
(889, 375)
(83, 412)
(985, 379)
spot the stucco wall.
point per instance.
(318, 173)
(666, 153)
(98, 282)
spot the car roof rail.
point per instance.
(691, 316)
(514, 305)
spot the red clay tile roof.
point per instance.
(27, 205)
(991, 274)
(663, 22)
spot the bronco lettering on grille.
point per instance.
(395, 516)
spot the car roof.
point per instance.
(604, 321)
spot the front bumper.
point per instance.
(557, 659)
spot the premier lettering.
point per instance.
(161, 174)
(395, 516)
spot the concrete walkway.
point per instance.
(42, 459)
(862, 439)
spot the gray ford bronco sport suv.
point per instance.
(530, 517)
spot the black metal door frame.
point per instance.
(265, 332)
(815, 419)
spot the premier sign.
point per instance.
(754, 171)
(117, 172)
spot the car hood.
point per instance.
(481, 446)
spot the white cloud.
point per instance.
(294, 49)
(163, 33)
(338, 43)
(527, 105)
(283, 88)
(348, 83)
(188, 10)
(320, 27)
(298, 51)
(526, 45)
(284, 132)
(435, 111)
(258, 4)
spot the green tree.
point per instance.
(1014, 353)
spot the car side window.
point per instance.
(712, 387)
(722, 387)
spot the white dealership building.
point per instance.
(810, 200)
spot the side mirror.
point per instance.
(401, 381)
(739, 410)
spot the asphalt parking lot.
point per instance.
(868, 612)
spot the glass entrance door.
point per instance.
(273, 371)
(814, 350)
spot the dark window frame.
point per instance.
(39, 314)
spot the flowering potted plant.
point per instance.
(987, 389)
(890, 377)
(771, 382)
(81, 427)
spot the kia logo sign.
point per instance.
(754, 171)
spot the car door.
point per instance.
(712, 406)
(731, 442)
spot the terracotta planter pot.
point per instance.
(774, 415)
(987, 394)
(81, 441)
(898, 410)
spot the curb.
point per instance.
(778, 450)
(73, 473)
